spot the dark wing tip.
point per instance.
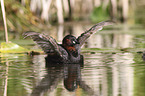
(108, 22)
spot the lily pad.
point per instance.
(12, 48)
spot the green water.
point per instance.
(103, 74)
(113, 66)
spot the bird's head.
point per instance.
(70, 40)
(71, 44)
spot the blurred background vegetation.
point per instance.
(24, 15)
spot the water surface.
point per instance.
(110, 70)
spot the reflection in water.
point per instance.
(103, 74)
(69, 73)
(123, 72)
(143, 56)
(6, 80)
(105, 68)
(72, 76)
(50, 81)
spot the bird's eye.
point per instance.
(74, 42)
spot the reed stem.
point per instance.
(4, 19)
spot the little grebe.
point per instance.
(69, 50)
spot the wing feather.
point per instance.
(47, 43)
(99, 26)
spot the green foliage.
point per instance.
(11, 48)
(19, 17)
(99, 14)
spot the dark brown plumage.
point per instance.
(69, 50)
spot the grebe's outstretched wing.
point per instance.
(99, 26)
(47, 43)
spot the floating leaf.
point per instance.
(11, 48)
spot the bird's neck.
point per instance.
(72, 50)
